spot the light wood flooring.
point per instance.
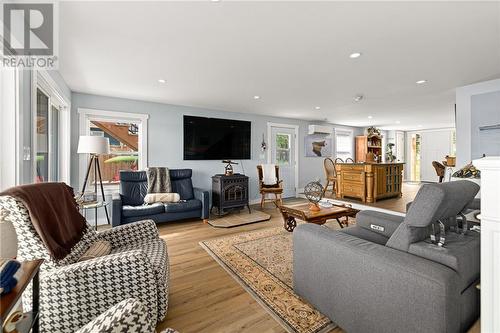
(409, 191)
(203, 297)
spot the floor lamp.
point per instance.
(95, 146)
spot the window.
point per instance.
(282, 148)
(123, 145)
(453, 148)
(343, 144)
(42, 136)
(127, 134)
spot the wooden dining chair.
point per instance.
(339, 160)
(330, 175)
(275, 189)
(440, 169)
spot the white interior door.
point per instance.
(283, 154)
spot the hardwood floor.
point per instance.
(203, 297)
(409, 191)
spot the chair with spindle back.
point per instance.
(440, 169)
(276, 189)
(330, 174)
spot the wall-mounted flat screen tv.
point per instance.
(216, 139)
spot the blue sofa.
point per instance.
(128, 206)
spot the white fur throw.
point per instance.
(269, 174)
(151, 198)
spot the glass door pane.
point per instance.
(54, 144)
(42, 137)
(282, 149)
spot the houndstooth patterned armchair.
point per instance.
(73, 293)
(128, 316)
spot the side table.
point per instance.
(8, 301)
(94, 205)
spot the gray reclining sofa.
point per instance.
(385, 275)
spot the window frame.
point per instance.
(88, 115)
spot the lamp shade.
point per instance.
(89, 144)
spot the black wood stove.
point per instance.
(229, 192)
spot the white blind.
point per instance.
(344, 143)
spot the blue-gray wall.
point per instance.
(485, 111)
(165, 139)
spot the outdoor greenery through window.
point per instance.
(415, 157)
(124, 148)
(283, 148)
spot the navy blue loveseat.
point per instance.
(128, 205)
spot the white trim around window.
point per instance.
(87, 115)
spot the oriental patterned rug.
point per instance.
(261, 261)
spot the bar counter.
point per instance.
(369, 181)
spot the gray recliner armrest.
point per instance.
(381, 223)
(116, 209)
(348, 278)
(475, 204)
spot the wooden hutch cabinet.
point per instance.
(365, 144)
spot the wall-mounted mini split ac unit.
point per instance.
(320, 129)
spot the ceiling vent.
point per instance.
(320, 129)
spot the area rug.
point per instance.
(261, 261)
(238, 218)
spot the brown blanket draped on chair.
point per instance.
(54, 214)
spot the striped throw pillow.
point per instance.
(97, 249)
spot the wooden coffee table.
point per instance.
(302, 212)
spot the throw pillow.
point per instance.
(97, 249)
(151, 198)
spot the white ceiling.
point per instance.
(295, 55)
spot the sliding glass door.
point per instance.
(47, 139)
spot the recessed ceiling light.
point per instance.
(355, 55)
(398, 122)
(358, 98)
(421, 81)
(317, 108)
(162, 81)
(256, 97)
(419, 125)
(370, 117)
(214, 0)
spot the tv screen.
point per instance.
(216, 139)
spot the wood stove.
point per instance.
(229, 192)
